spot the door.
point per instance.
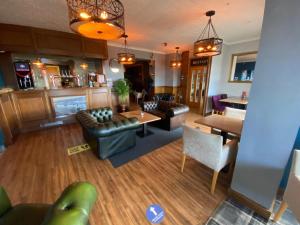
(197, 82)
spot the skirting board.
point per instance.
(250, 203)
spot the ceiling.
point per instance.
(149, 23)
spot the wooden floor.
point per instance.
(37, 168)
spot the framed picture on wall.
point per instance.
(242, 67)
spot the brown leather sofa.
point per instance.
(172, 114)
(108, 133)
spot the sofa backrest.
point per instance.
(164, 106)
(164, 97)
(101, 114)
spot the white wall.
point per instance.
(160, 62)
(172, 78)
(220, 70)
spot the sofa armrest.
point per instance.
(5, 204)
(149, 106)
(177, 110)
(73, 206)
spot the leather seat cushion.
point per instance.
(25, 214)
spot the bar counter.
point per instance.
(28, 110)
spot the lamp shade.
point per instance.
(126, 58)
(176, 62)
(97, 19)
(208, 43)
(208, 47)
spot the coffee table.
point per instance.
(144, 118)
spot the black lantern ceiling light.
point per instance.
(176, 62)
(125, 57)
(97, 19)
(208, 43)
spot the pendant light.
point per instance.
(38, 62)
(84, 66)
(125, 57)
(208, 43)
(176, 62)
(97, 19)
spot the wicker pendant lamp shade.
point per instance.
(97, 19)
(125, 57)
(208, 43)
(176, 62)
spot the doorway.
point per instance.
(139, 76)
(198, 80)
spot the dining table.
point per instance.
(236, 102)
(223, 123)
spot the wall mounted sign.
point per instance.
(203, 61)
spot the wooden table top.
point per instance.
(224, 123)
(235, 101)
(146, 118)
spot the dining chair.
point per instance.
(209, 150)
(292, 192)
(217, 106)
(235, 113)
(137, 95)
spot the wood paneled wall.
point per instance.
(167, 89)
(15, 38)
(23, 111)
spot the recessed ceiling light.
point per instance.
(2, 51)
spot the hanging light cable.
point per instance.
(208, 43)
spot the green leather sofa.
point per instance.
(72, 208)
(107, 133)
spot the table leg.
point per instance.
(144, 132)
(145, 129)
(225, 136)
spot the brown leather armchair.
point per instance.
(172, 114)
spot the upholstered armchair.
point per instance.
(172, 114)
(107, 133)
(209, 150)
(291, 198)
(72, 208)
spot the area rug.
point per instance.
(233, 213)
(146, 145)
(78, 149)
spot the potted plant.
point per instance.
(122, 88)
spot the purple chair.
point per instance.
(218, 107)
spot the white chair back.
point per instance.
(204, 147)
(235, 113)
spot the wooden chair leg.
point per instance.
(280, 212)
(183, 162)
(214, 182)
(231, 170)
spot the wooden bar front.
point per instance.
(23, 111)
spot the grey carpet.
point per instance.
(233, 213)
(146, 145)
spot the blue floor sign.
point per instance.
(155, 214)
